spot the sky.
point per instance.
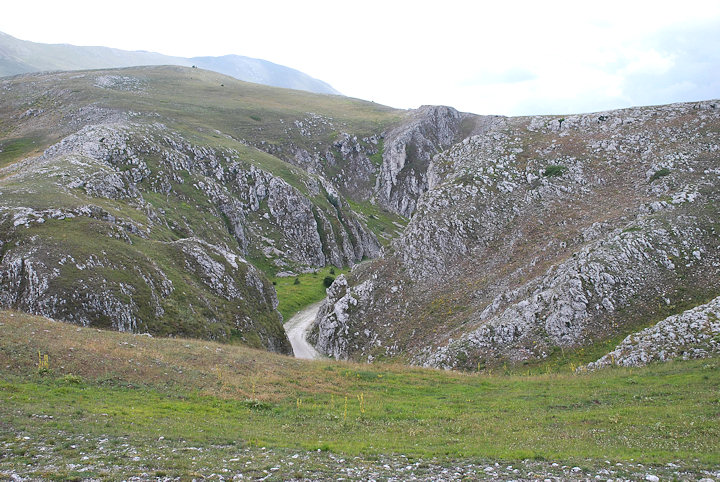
(500, 57)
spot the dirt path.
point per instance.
(297, 328)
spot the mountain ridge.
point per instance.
(21, 56)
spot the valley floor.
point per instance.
(117, 406)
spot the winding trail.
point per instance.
(297, 328)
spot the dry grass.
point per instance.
(212, 368)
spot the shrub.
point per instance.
(328, 281)
(554, 171)
(297, 281)
(660, 173)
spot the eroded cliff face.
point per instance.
(389, 167)
(543, 232)
(409, 149)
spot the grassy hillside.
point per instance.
(197, 99)
(120, 404)
(130, 193)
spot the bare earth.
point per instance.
(297, 328)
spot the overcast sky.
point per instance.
(514, 59)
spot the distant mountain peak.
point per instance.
(21, 56)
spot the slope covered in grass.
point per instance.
(225, 400)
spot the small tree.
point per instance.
(328, 281)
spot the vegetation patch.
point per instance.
(554, 170)
(660, 173)
(377, 158)
(384, 224)
(12, 150)
(296, 292)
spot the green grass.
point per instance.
(12, 150)
(202, 394)
(310, 289)
(377, 158)
(384, 224)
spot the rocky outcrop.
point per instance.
(408, 150)
(694, 333)
(331, 331)
(565, 306)
(390, 167)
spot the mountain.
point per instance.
(20, 56)
(262, 72)
(539, 236)
(136, 199)
(177, 201)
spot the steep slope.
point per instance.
(133, 200)
(539, 234)
(20, 57)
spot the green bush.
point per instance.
(660, 173)
(554, 171)
(327, 281)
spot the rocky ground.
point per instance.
(85, 459)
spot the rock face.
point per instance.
(408, 150)
(390, 167)
(694, 333)
(544, 232)
(330, 335)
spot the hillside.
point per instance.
(535, 236)
(21, 57)
(139, 200)
(116, 406)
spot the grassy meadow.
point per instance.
(102, 385)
